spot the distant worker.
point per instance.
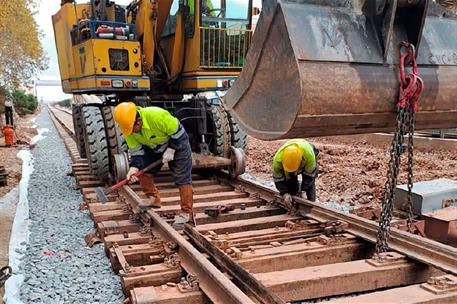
(295, 157)
(9, 112)
(148, 132)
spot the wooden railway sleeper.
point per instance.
(331, 233)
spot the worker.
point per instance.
(148, 132)
(295, 157)
(9, 112)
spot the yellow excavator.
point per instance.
(180, 55)
(313, 67)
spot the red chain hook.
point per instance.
(411, 84)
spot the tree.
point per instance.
(21, 54)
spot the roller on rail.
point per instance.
(179, 55)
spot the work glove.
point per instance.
(131, 175)
(287, 199)
(169, 155)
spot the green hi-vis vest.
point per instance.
(158, 126)
(204, 3)
(308, 164)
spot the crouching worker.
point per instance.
(295, 157)
(148, 132)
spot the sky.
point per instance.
(46, 9)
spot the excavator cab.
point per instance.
(225, 33)
(203, 42)
(98, 55)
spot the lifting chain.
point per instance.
(411, 87)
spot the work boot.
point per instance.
(180, 220)
(150, 189)
(187, 202)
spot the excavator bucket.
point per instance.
(331, 67)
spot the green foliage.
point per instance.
(21, 53)
(65, 103)
(23, 103)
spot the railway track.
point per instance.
(259, 252)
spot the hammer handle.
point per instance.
(126, 181)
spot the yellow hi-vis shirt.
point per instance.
(158, 126)
(308, 163)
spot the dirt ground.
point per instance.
(354, 173)
(13, 166)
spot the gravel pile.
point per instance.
(57, 265)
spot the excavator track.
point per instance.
(258, 252)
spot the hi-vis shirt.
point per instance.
(308, 163)
(158, 126)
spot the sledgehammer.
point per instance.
(102, 194)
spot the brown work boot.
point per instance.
(150, 189)
(187, 202)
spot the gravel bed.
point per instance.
(57, 266)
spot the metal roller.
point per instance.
(318, 68)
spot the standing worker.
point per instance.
(296, 156)
(148, 132)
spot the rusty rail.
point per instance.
(430, 252)
(213, 282)
(271, 255)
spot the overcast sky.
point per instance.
(46, 10)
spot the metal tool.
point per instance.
(102, 193)
(215, 211)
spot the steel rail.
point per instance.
(70, 132)
(212, 281)
(249, 282)
(441, 256)
(220, 289)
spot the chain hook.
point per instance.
(410, 90)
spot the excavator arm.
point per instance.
(321, 67)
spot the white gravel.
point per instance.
(57, 266)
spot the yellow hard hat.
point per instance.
(291, 159)
(124, 115)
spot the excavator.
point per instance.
(312, 68)
(179, 55)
